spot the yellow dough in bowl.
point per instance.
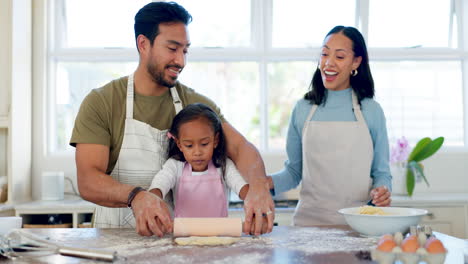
(371, 210)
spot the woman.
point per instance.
(337, 141)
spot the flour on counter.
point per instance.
(307, 241)
(248, 258)
(315, 240)
(294, 246)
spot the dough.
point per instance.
(205, 241)
(371, 210)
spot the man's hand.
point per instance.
(381, 196)
(258, 205)
(152, 215)
(259, 209)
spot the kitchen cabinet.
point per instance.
(15, 97)
(7, 210)
(72, 212)
(447, 213)
(5, 59)
(448, 220)
(5, 21)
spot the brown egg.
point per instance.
(410, 244)
(386, 243)
(434, 245)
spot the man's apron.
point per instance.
(142, 155)
(337, 158)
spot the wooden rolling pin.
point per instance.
(224, 226)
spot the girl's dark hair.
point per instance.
(362, 83)
(194, 112)
(149, 17)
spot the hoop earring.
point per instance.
(354, 72)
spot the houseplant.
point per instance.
(425, 148)
(406, 163)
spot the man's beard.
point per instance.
(158, 76)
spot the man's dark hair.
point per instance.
(149, 17)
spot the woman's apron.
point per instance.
(337, 158)
(200, 195)
(141, 156)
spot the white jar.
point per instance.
(52, 185)
(398, 171)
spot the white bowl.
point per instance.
(399, 219)
(9, 223)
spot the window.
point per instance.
(301, 24)
(431, 28)
(256, 58)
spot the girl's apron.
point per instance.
(200, 195)
(337, 158)
(141, 156)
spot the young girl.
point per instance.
(198, 169)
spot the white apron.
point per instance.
(141, 156)
(337, 158)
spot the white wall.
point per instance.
(445, 171)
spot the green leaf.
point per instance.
(429, 149)
(410, 181)
(425, 148)
(419, 146)
(417, 170)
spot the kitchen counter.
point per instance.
(72, 201)
(431, 198)
(337, 244)
(6, 207)
(69, 201)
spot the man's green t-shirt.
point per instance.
(101, 119)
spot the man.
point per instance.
(120, 133)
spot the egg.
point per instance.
(398, 237)
(386, 243)
(386, 237)
(422, 238)
(410, 244)
(434, 245)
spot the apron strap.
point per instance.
(356, 107)
(176, 100)
(130, 95)
(309, 117)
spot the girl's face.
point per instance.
(197, 141)
(337, 61)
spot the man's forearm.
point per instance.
(102, 189)
(250, 164)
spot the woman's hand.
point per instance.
(381, 196)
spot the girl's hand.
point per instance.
(243, 192)
(381, 196)
(271, 185)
